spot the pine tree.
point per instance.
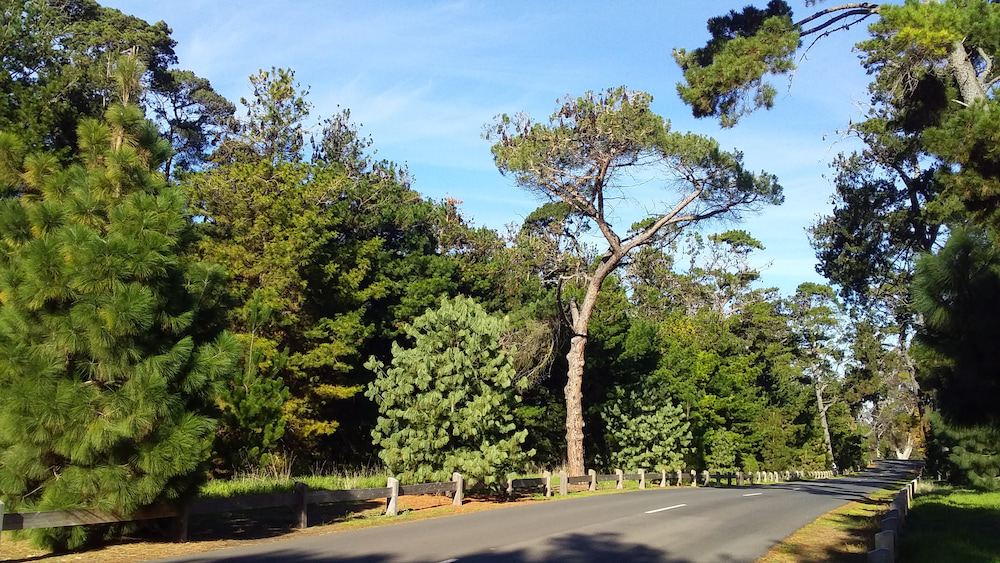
(645, 433)
(447, 404)
(110, 348)
(957, 293)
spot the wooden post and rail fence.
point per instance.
(301, 497)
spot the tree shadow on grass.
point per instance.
(940, 532)
(274, 522)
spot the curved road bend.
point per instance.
(711, 525)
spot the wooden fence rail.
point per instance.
(302, 497)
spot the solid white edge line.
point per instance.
(752, 494)
(666, 508)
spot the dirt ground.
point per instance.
(220, 531)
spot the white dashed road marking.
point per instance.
(666, 508)
(752, 494)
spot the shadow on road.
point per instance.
(597, 547)
(854, 487)
(602, 548)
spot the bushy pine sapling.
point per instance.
(447, 403)
(645, 433)
(968, 456)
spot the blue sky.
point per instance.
(422, 77)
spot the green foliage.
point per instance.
(957, 291)
(55, 64)
(878, 225)
(725, 78)
(253, 400)
(575, 161)
(447, 403)
(724, 352)
(644, 432)
(273, 129)
(341, 251)
(968, 456)
(561, 160)
(722, 447)
(261, 483)
(915, 39)
(193, 117)
(968, 138)
(110, 350)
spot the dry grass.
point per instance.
(843, 535)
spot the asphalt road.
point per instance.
(690, 525)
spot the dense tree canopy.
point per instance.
(927, 173)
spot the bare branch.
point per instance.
(863, 13)
(854, 8)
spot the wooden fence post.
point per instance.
(642, 478)
(694, 478)
(679, 478)
(663, 477)
(547, 475)
(459, 489)
(887, 540)
(180, 524)
(706, 477)
(890, 524)
(593, 479)
(621, 479)
(301, 507)
(563, 483)
(392, 503)
(880, 555)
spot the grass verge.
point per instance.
(949, 524)
(260, 485)
(843, 535)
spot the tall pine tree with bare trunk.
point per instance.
(586, 157)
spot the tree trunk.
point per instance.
(574, 405)
(965, 74)
(907, 449)
(576, 361)
(822, 419)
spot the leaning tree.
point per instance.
(587, 158)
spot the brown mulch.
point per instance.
(212, 532)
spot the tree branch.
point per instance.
(864, 13)
(853, 8)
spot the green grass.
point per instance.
(950, 524)
(254, 484)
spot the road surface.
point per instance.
(688, 525)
